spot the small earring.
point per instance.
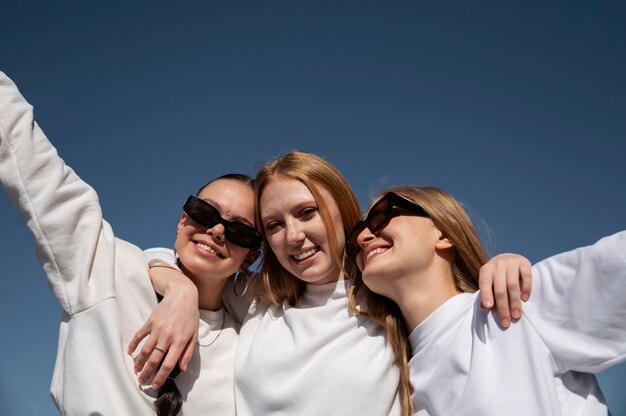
(245, 289)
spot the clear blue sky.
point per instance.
(517, 108)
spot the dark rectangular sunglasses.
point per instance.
(208, 216)
(379, 216)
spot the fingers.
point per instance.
(156, 360)
(506, 280)
(485, 284)
(145, 353)
(493, 284)
(527, 280)
(143, 332)
(147, 360)
(187, 352)
(519, 284)
(514, 292)
(501, 296)
(168, 364)
(152, 364)
(172, 327)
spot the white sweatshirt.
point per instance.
(101, 283)
(315, 358)
(573, 325)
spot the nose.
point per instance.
(217, 232)
(295, 233)
(364, 237)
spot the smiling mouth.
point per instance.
(305, 255)
(208, 249)
(376, 251)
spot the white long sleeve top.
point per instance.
(574, 325)
(101, 283)
(313, 358)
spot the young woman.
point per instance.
(103, 286)
(301, 349)
(419, 256)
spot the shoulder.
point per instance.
(130, 257)
(129, 248)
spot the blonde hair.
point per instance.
(274, 284)
(452, 220)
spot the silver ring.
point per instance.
(162, 350)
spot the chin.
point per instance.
(309, 279)
(370, 277)
(196, 265)
(317, 278)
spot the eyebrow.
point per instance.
(296, 207)
(217, 206)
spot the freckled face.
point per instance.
(295, 231)
(205, 252)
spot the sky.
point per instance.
(517, 108)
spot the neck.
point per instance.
(209, 291)
(335, 278)
(210, 297)
(420, 295)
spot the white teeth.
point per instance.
(206, 248)
(375, 251)
(302, 256)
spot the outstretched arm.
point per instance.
(579, 305)
(61, 210)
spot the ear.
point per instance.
(443, 243)
(181, 223)
(249, 259)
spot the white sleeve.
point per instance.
(578, 305)
(74, 245)
(161, 257)
(237, 306)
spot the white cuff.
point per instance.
(161, 257)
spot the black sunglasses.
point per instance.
(208, 216)
(379, 216)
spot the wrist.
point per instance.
(180, 285)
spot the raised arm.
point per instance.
(60, 209)
(579, 305)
